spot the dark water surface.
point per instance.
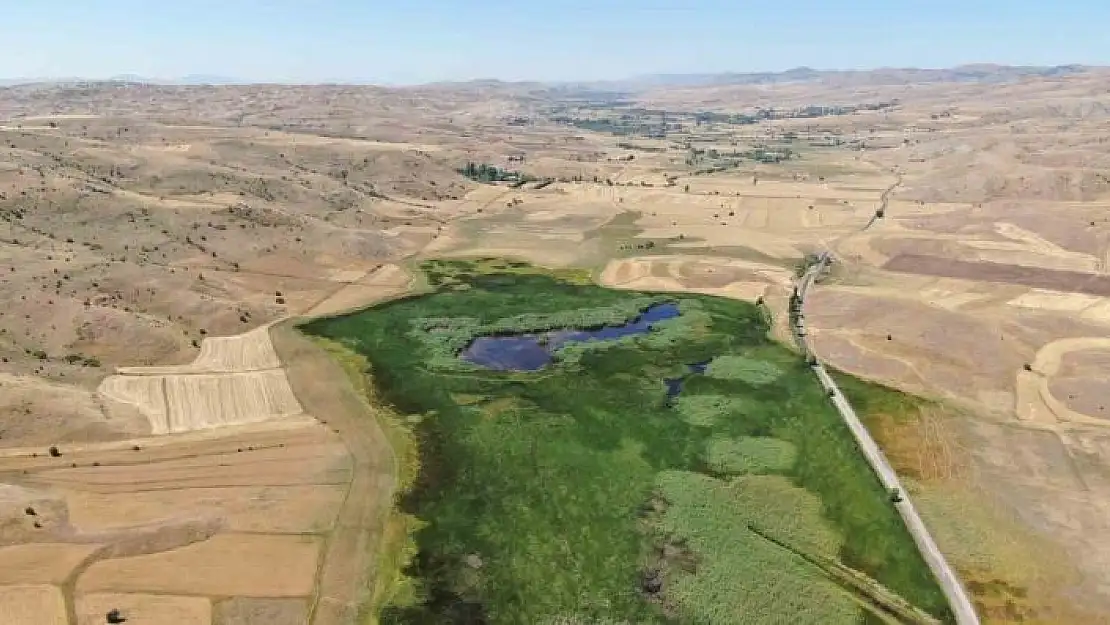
(674, 385)
(529, 352)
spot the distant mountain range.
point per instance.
(191, 79)
(881, 76)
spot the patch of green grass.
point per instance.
(707, 410)
(537, 488)
(749, 370)
(871, 398)
(738, 577)
(750, 455)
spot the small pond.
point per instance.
(674, 385)
(530, 352)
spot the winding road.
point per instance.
(954, 591)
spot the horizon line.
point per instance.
(202, 79)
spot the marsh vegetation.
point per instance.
(581, 492)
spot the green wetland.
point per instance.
(595, 489)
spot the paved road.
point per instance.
(957, 596)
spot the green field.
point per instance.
(578, 494)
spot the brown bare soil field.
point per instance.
(1066, 281)
(250, 611)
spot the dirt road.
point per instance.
(958, 600)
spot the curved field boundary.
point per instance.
(1035, 400)
(249, 351)
(958, 600)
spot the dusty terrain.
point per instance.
(213, 467)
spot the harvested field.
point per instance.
(725, 277)
(249, 611)
(146, 394)
(140, 609)
(183, 403)
(268, 509)
(280, 467)
(32, 605)
(207, 401)
(234, 380)
(170, 510)
(1055, 301)
(1035, 277)
(248, 565)
(41, 563)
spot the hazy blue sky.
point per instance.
(406, 41)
